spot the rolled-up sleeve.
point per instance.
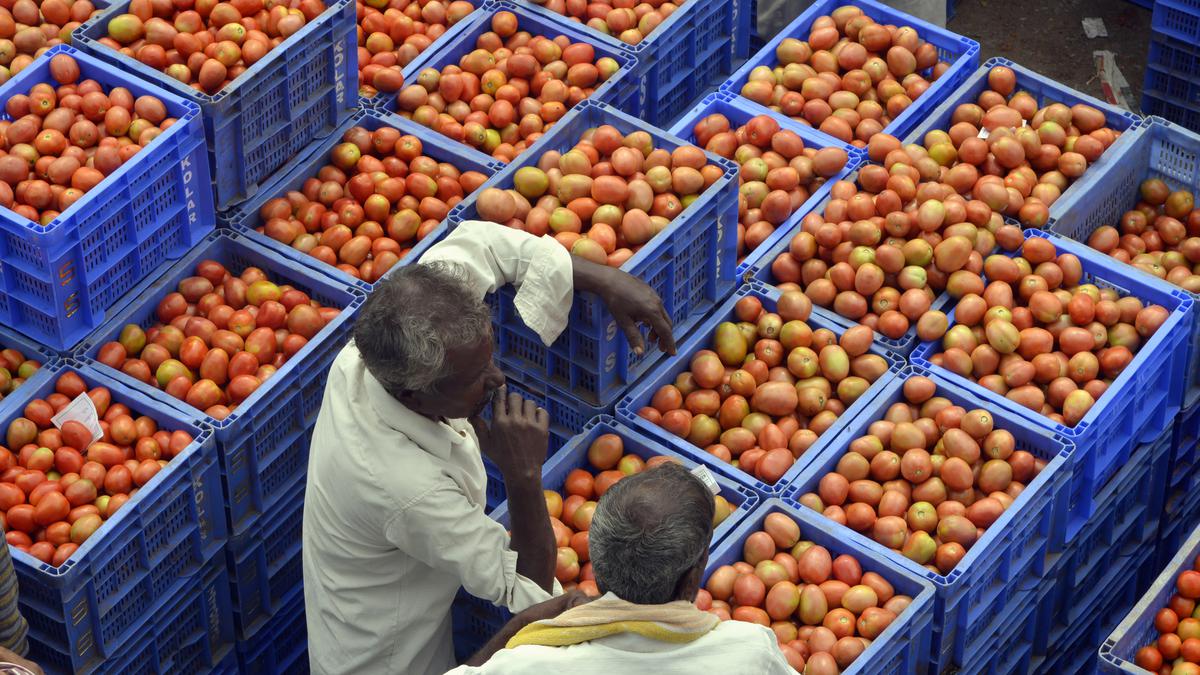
(442, 529)
(495, 255)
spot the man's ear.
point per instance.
(689, 584)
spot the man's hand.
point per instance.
(630, 300)
(551, 608)
(8, 656)
(516, 441)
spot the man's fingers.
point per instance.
(500, 403)
(530, 409)
(542, 418)
(630, 328)
(516, 404)
(661, 324)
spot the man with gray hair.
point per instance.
(394, 520)
(648, 544)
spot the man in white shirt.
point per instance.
(394, 518)
(649, 546)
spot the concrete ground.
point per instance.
(1048, 37)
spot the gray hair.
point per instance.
(412, 318)
(648, 531)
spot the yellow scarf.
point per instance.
(675, 622)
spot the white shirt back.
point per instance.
(734, 647)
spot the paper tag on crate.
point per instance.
(707, 478)
(80, 410)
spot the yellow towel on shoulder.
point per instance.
(676, 622)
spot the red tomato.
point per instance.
(1188, 584)
(20, 517)
(42, 550)
(580, 482)
(15, 538)
(63, 552)
(10, 496)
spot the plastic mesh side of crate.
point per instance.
(1159, 150)
(30, 351)
(189, 635)
(690, 264)
(267, 429)
(58, 281)
(1179, 19)
(265, 563)
(282, 644)
(641, 394)
(89, 605)
(245, 218)
(962, 53)
(1137, 407)
(738, 113)
(298, 93)
(1011, 553)
(690, 57)
(903, 647)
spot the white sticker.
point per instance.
(707, 478)
(80, 410)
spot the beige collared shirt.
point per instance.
(394, 518)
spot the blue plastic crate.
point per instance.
(1139, 405)
(282, 644)
(1136, 629)
(1045, 91)
(568, 417)
(1010, 554)
(1169, 109)
(58, 281)
(690, 264)
(190, 634)
(90, 606)
(618, 90)
(245, 217)
(1179, 19)
(738, 112)
(299, 92)
(1157, 150)
(902, 648)
(692, 51)
(960, 52)
(701, 338)
(265, 565)
(1010, 648)
(263, 444)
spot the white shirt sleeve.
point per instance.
(494, 256)
(444, 530)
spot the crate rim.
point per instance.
(191, 111)
(700, 339)
(1175, 322)
(237, 239)
(1058, 463)
(79, 36)
(855, 158)
(236, 217)
(909, 117)
(558, 131)
(806, 518)
(626, 59)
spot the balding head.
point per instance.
(649, 537)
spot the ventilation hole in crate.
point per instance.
(32, 286)
(284, 581)
(105, 241)
(280, 542)
(264, 113)
(272, 433)
(114, 284)
(174, 518)
(124, 613)
(316, 76)
(165, 574)
(24, 249)
(286, 469)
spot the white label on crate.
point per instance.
(80, 410)
(984, 133)
(707, 478)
